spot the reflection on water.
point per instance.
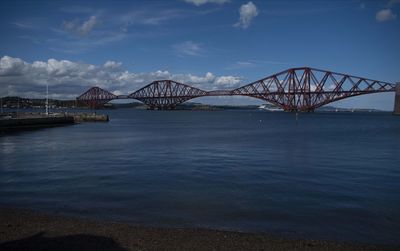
(333, 176)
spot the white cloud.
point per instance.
(228, 81)
(208, 78)
(11, 66)
(188, 48)
(247, 13)
(149, 16)
(385, 15)
(67, 79)
(82, 29)
(112, 64)
(24, 25)
(101, 27)
(88, 25)
(201, 2)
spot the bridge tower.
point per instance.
(397, 100)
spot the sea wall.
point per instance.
(21, 123)
(90, 117)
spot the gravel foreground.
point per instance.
(27, 230)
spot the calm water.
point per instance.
(326, 176)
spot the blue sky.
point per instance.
(212, 44)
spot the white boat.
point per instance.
(270, 108)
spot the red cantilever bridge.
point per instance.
(296, 89)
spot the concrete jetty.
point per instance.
(30, 121)
(396, 110)
(21, 121)
(90, 117)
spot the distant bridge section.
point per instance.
(305, 89)
(297, 89)
(166, 94)
(96, 97)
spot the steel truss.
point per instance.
(96, 97)
(305, 89)
(296, 89)
(166, 94)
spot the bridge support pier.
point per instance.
(397, 100)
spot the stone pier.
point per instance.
(397, 100)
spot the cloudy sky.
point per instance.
(212, 44)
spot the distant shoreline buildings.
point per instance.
(26, 103)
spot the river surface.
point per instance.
(329, 176)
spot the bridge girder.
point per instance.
(96, 97)
(296, 89)
(305, 89)
(166, 94)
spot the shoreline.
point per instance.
(29, 121)
(24, 229)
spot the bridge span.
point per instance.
(297, 89)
